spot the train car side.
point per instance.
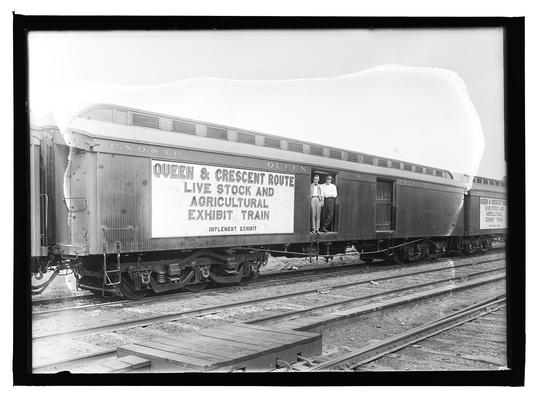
(120, 225)
(486, 213)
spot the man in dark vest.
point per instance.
(329, 192)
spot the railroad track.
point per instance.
(287, 276)
(353, 360)
(248, 302)
(268, 279)
(215, 309)
(283, 276)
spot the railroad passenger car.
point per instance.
(145, 201)
(485, 213)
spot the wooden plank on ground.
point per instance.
(204, 357)
(217, 347)
(155, 354)
(226, 347)
(195, 339)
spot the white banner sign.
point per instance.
(203, 200)
(492, 213)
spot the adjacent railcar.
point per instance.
(48, 214)
(486, 213)
(155, 202)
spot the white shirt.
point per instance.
(329, 190)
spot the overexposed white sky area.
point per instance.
(333, 87)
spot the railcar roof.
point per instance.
(481, 184)
(131, 125)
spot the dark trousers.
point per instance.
(327, 213)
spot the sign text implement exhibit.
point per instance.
(204, 200)
(492, 213)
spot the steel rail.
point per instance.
(397, 342)
(350, 269)
(264, 280)
(308, 271)
(213, 309)
(450, 289)
(303, 272)
(366, 297)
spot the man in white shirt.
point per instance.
(329, 192)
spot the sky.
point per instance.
(333, 87)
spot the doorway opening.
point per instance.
(325, 189)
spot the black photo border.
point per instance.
(514, 152)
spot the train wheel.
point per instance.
(483, 244)
(129, 291)
(468, 247)
(432, 250)
(253, 274)
(396, 258)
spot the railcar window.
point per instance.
(335, 154)
(407, 167)
(368, 160)
(217, 133)
(429, 171)
(354, 157)
(297, 147)
(317, 151)
(439, 173)
(274, 143)
(183, 127)
(145, 120)
(395, 165)
(246, 138)
(383, 162)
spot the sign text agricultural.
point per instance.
(204, 200)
